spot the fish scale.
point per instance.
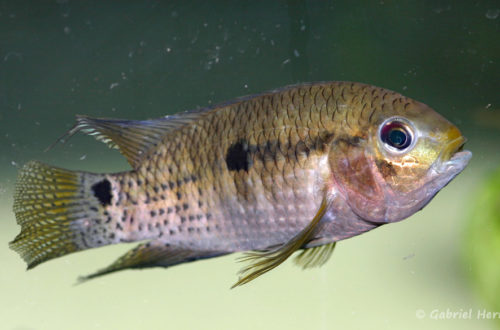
(297, 168)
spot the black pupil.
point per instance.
(396, 135)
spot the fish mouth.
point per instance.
(454, 157)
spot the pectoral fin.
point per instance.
(152, 254)
(314, 257)
(263, 261)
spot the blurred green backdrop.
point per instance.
(146, 59)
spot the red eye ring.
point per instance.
(396, 134)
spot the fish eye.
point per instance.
(396, 134)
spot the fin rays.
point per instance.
(263, 261)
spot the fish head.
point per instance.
(391, 166)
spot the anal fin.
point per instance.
(153, 254)
(264, 261)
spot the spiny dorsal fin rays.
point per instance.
(314, 257)
(263, 261)
(134, 138)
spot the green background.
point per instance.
(146, 59)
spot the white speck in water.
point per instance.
(18, 56)
(492, 13)
(405, 88)
(19, 106)
(142, 43)
(67, 30)
(113, 85)
(124, 76)
(174, 14)
(296, 53)
(13, 163)
(113, 109)
(83, 157)
(205, 25)
(271, 42)
(488, 106)
(37, 123)
(131, 54)
(277, 26)
(286, 61)
(246, 86)
(168, 49)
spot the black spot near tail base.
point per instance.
(102, 191)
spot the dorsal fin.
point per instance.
(134, 138)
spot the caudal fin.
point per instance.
(58, 211)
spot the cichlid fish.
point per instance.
(298, 168)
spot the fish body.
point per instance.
(297, 168)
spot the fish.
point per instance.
(295, 169)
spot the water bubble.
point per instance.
(296, 53)
(492, 13)
(67, 30)
(113, 85)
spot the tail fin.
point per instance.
(58, 212)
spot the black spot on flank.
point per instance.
(118, 226)
(164, 186)
(183, 219)
(152, 213)
(185, 206)
(112, 236)
(179, 196)
(179, 183)
(102, 191)
(238, 156)
(169, 210)
(161, 211)
(191, 218)
(171, 184)
(177, 208)
(190, 229)
(171, 232)
(165, 222)
(139, 182)
(156, 189)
